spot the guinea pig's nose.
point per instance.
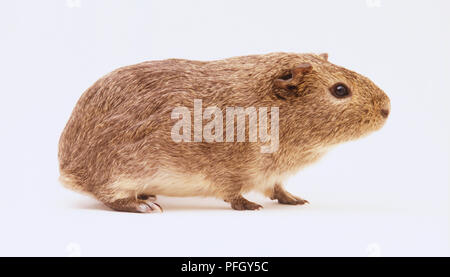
(385, 110)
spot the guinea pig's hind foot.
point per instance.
(284, 197)
(240, 203)
(135, 205)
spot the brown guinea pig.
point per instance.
(132, 135)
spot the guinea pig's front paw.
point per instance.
(135, 205)
(284, 197)
(241, 204)
(292, 200)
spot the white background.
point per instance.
(387, 194)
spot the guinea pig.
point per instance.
(123, 143)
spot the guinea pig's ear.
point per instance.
(324, 56)
(288, 83)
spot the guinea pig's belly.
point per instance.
(168, 183)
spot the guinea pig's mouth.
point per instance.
(376, 117)
(366, 125)
(376, 121)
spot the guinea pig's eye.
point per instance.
(340, 90)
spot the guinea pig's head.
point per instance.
(331, 103)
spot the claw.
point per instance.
(144, 208)
(154, 206)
